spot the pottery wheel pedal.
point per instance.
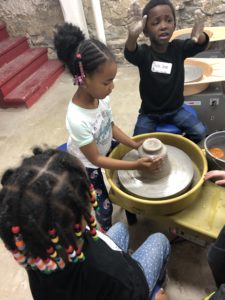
(173, 178)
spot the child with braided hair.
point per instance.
(47, 224)
(89, 118)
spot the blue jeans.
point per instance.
(183, 119)
(152, 255)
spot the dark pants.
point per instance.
(104, 214)
(216, 258)
(181, 118)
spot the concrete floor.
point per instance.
(189, 277)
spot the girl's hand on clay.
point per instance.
(136, 22)
(137, 144)
(149, 164)
(216, 174)
(198, 27)
(160, 295)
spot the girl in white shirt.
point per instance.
(89, 118)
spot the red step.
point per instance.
(25, 74)
(3, 32)
(10, 48)
(16, 71)
(34, 86)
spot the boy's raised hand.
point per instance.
(198, 27)
(136, 22)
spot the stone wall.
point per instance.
(34, 19)
(37, 18)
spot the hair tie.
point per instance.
(79, 78)
(78, 56)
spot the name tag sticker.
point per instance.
(161, 67)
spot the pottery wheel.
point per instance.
(178, 181)
(192, 73)
(184, 36)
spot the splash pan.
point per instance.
(178, 180)
(162, 206)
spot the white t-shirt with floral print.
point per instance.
(88, 125)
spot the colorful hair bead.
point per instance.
(69, 249)
(78, 231)
(31, 262)
(79, 58)
(92, 194)
(15, 229)
(20, 258)
(79, 79)
(18, 238)
(92, 221)
(50, 250)
(93, 199)
(92, 227)
(54, 255)
(51, 265)
(40, 264)
(72, 257)
(54, 238)
(80, 254)
(93, 233)
(60, 262)
(91, 188)
(20, 245)
(81, 257)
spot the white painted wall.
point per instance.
(73, 12)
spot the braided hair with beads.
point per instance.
(42, 205)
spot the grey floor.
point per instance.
(189, 277)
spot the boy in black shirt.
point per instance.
(161, 66)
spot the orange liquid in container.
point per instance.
(217, 152)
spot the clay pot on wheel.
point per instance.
(154, 148)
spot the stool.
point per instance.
(170, 128)
(62, 147)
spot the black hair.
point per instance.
(152, 3)
(70, 40)
(50, 189)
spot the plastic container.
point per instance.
(215, 141)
